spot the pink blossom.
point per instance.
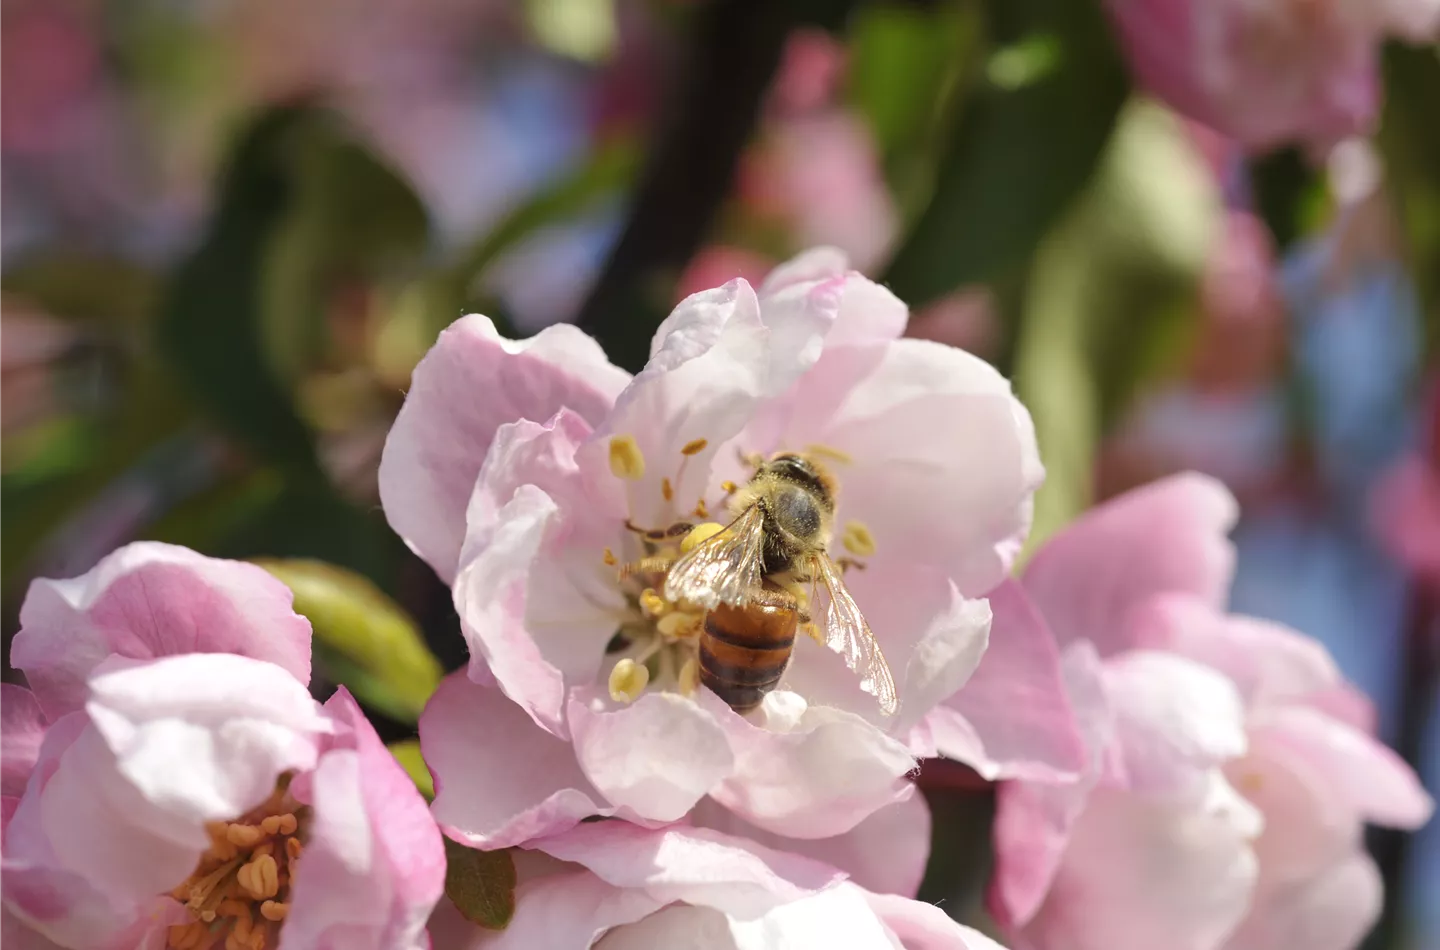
(1231, 774)
(501, 472)
(612, 885)
(1271, 71)
(155, 775)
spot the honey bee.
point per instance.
(744, 577)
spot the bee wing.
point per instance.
(725, 568)
(847, 633)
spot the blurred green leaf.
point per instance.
(407, 753)
(581, 29)
(1026, 141)
(1409, 141)
(1109, 293)
(100, 291)
(481, 884)
(353, 219)
(370, 644)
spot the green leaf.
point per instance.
(365, 640)
(481, 884)
(104, 292)
(407, 753)
(1026, 141)
(211, 316)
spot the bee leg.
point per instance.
(677, 530)
(845, 563)
(647, 565)
(753, 460)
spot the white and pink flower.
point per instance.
(169, 781)
(1232, 770)
(514, 466)
(614, 886)
(1267, 72)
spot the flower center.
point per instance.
(239, 893)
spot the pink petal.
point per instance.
(678, 925)
(1033, 818)
(656, 757)
(1011, 719)
(1358, 771)
(1334, 910)
(923, 926)
(885, 853)
(1174, 719)
(712, 362)
(1140, 874)
(868, 311)
(472, 382)
(944, 458)
(374, 860)
(837, 917)
(1165, 537)
(1268, 663)
(1405, 513)
(694, 865)
(570, 909)
(807, 771)
(500, 779)
(153, 600)
(23, 727)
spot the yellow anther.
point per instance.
(260, 878)
(293, 847)
(699, 535)
(243, 836)
(829, 452)
(694, 447)
(857, 539)
(274, 910)
(667, 490)
(652, 603)
(628, 680)
(609, 558)
(690, 677)
(729, 487)
(679, 625)
(626, 459)
(700, 510)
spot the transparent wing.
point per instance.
(847, 633)
(725, 568)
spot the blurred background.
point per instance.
(230, 230)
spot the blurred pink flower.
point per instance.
(1405, 512)
(156, 777)
(612, 886)
(1231, 773)
(501, 472)
(810, 72)
(1269, 71)
(719, 264)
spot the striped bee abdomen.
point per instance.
(744, 651)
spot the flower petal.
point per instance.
(921, 926)
(374, 862)
(1011, 719)
(23, 727)
(694, 865)
(571, 909)
(472, 382)
(1169, 536)
(1142, 873)
(1363, 774)
(885, 853)
(656, 757)
(944, 462)
(868, 311)
(500, 779)
(1331, 911)
(838, 917)
(1174, 719)
(153, 600)
(807, 771)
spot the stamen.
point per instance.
(185, 936)
(729, 487)
(293, 847)
(260, 878)
(652, 603)
(609, 558)
(244, 836)
(857, 539)
(667, 490)
(699, 535)
(274, 910)
(679, 625)
(690, 677)
(694, 446)
(628, 680)
(282, 824)
(700, 510)
(626, 459)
